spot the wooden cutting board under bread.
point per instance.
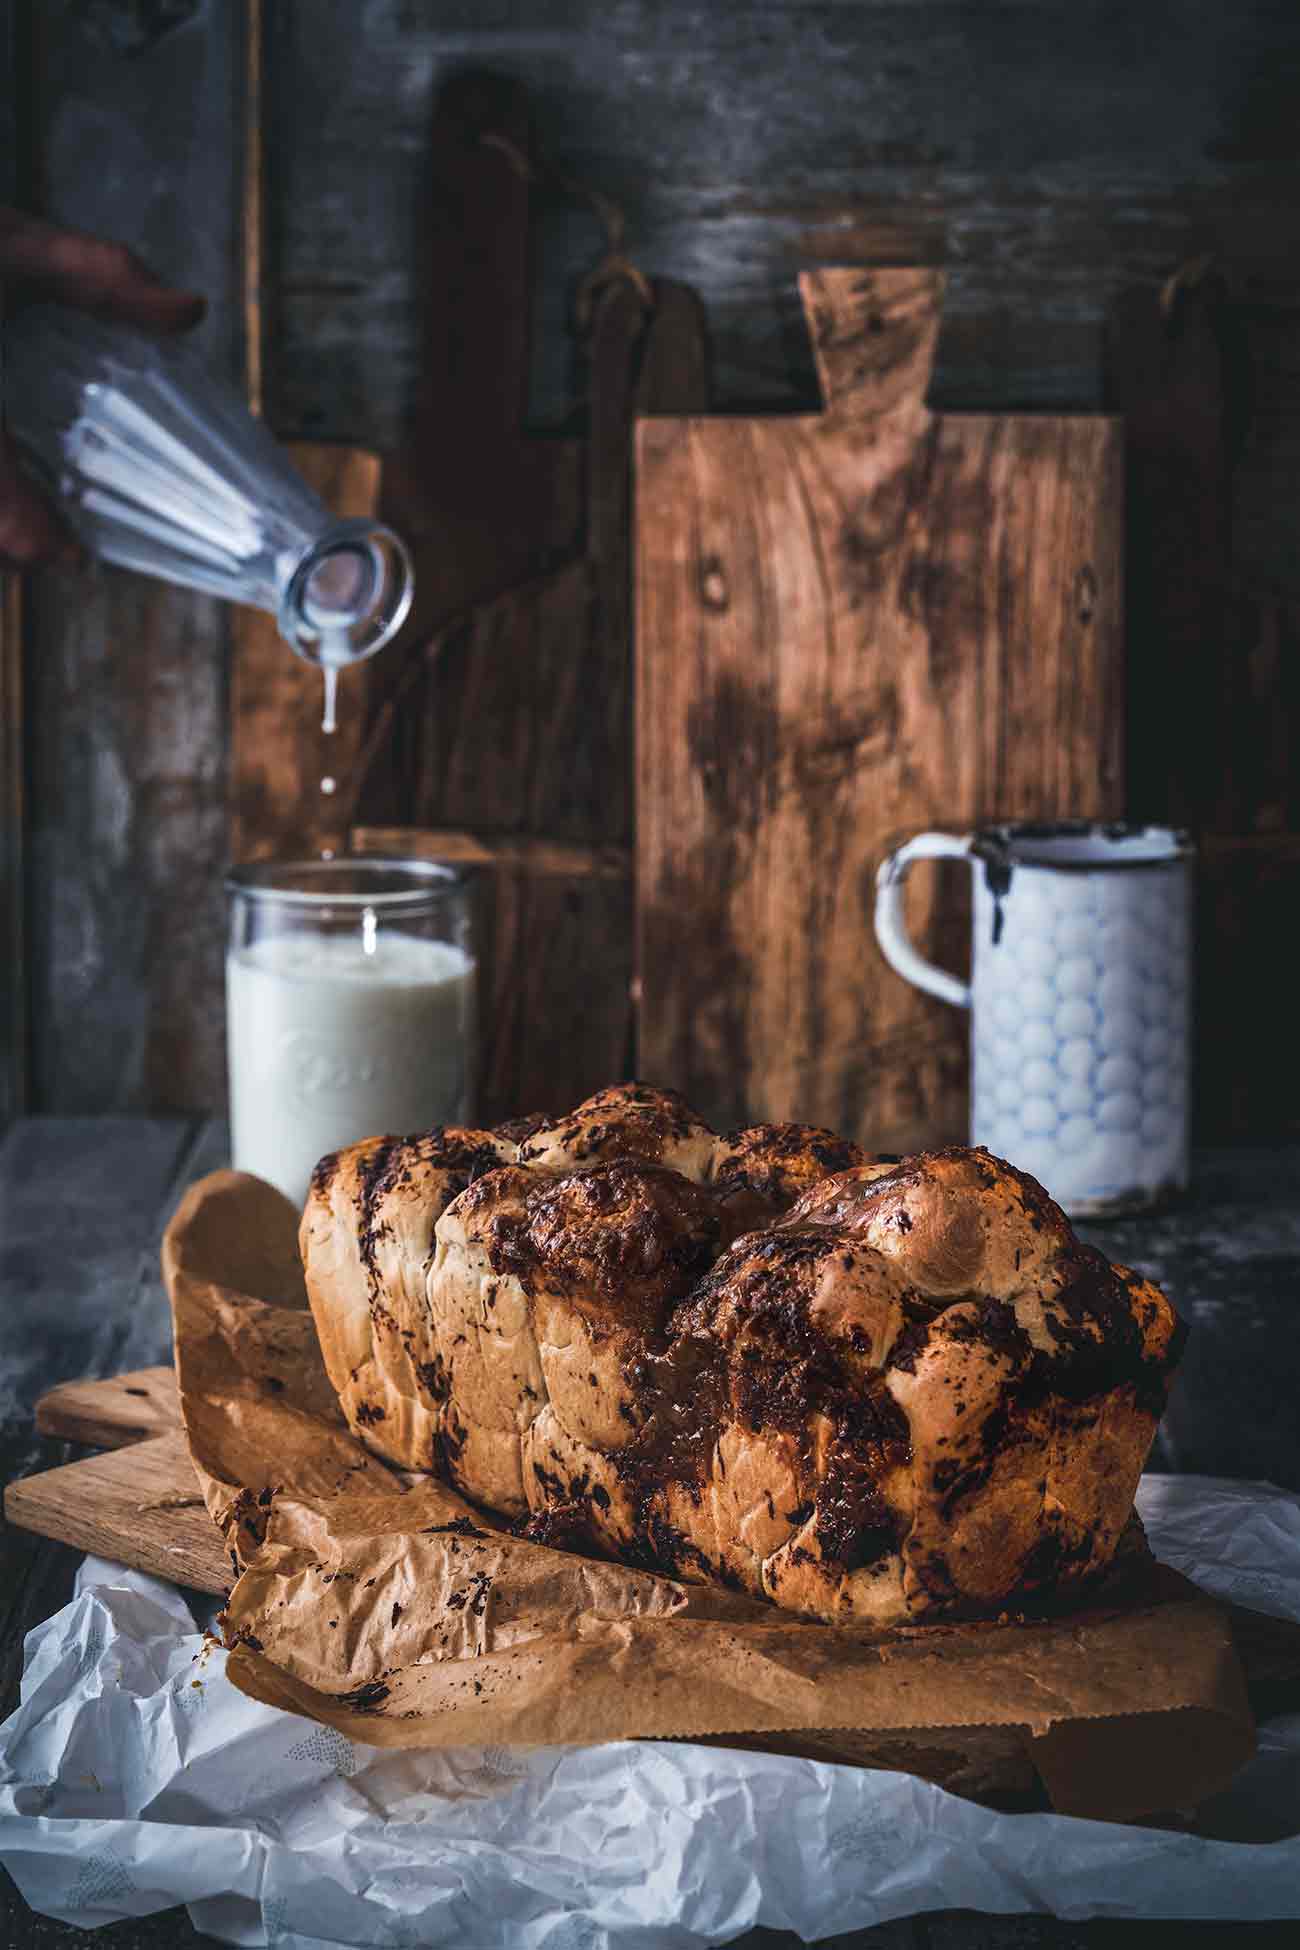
(138, 1504)
(852, 626)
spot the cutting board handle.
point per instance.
(873, 336)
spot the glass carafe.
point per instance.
(159, 467)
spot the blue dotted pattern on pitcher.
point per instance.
(1080, 1024)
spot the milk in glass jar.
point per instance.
(349, 1008)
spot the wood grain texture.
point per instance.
(1048, 154)
(126, 697)
(13, 783)
(115, 1411)
(508, 731)
(13, 857)
(481, 505)
(474, 728)
(530, 853)
(279, 753)
(1213, 686)
(139, 1505)
(851, 627)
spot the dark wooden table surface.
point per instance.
(82, 1206)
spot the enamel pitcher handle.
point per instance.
(891, 928)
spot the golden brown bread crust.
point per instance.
(760, 1172)
(582, 1269)
(366, 1241)
(628, 1120)
(913, 1394)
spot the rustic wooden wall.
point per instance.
(13, 905)
(135, 135)
(1051, 153)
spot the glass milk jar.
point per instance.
(349, 1008)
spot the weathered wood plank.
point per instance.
(1047, 154)
(167, 1929)
(840, 143)
(557, 1007)
(968, 1929)
(525, 852)
(508, 732)
(139, 1505)
(112, 1412)
(482, 506)
(851, 627)
(496, 725)
(13, 784)
(13, 857)
(127, 709)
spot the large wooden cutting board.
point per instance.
(852, 626)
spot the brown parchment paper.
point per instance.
(390, 1608)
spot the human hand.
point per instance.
(95, 276)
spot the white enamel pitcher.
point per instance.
(1079, 1001)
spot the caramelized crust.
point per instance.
(760, 1172)
(872, 1391)
(620, 1242)
(628, 1120)
(367, 1241)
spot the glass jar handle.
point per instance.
(891, 925)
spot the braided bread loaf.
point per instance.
(866, 1389)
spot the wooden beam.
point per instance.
(511, 852)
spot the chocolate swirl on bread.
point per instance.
(869, 1390)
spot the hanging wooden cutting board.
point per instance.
(501, 735)
(852, 626)
(496, 732)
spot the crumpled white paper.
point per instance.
(133, 1776)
